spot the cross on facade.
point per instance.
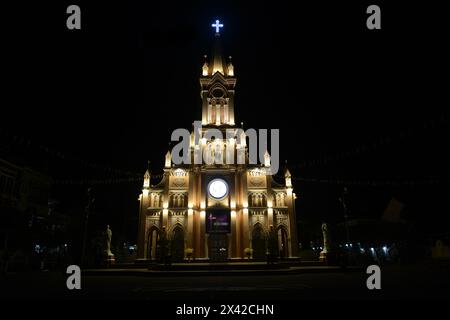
(217, 25)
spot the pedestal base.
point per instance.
(323, 257)
(109, 260)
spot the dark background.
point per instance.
(366, 109)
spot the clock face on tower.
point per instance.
(218, 189)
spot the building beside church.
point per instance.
(217, 209)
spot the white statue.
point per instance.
(108, 236)
(326, 238)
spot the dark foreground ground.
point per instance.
(422, 281)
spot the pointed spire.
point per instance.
(217, 62)
(266, 159)
(192, 139)
(168, 162)
(287, 176)
(147, 176)
(205, 67)
(230, 68)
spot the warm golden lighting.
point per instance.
(213, 169)
(243, 139)
(205, 67)
(168, 160)
(218, 69)
(288, 182)
(266, 159)
(230, 68)
(147, 179)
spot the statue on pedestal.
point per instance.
(108, 236)
(109, 256)
(326, 238)
(326, 243)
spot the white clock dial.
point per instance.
(218, 189)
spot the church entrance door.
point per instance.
(177, 244)
(282, 243)
(258, 243)
(218, 247)
(152, 244)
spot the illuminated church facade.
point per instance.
(214, 209)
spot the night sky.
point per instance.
(112, 93)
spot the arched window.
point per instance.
(279, 200)
(172, 200)
(257, 200)
(155, 200)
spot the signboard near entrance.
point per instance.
(218, 221)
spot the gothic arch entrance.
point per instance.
(282, 243)
(258, 243)
(152, 243)
(177, 244)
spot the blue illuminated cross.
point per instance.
(217, 25)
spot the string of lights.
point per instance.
(105, 181)
(29, 144)
(332, 181)
(375, 183)
(137, 177)
(369, 147)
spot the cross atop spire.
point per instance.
(217, 25)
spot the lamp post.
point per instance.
(87, 210)
(344, 205)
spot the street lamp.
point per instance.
(344, 205)
(87, 210)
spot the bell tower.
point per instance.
(217, 84)
(215, 207)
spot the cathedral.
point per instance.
(216, 211)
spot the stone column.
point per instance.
(292, 237)
(238, 222)
(202, 233)
(245, 212)
(270, 201)
(190, 218)
(141, 229)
